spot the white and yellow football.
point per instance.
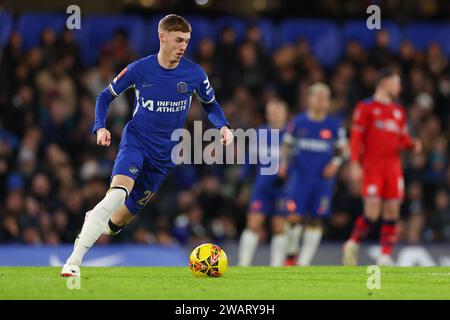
(208, 260)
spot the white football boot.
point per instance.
(70, 271)
(350, 253)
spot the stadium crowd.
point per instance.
(52, 171)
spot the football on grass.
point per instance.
(208, 260)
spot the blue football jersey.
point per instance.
(314, 143)
(162, 101)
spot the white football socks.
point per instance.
(294, 233)
(310, 243)
(278, 249)
(94, 226)
(247, 247)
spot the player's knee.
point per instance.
(255, 221)
(391, 212)
(125, 190)
(122, 181)
(278, 225)
(294, 218)
(316, 223)
(372, 210)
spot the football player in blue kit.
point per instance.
(164, 84)
(266, 198)
(315, 145)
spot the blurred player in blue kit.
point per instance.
(314, 147)
(266, 198)
(164, 84)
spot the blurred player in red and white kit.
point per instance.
(378, 134)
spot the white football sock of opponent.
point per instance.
(278, 250)
(97, 223)
(294, 233)
(247, 247)
(310, 243)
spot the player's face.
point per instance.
(276, 114)
(394, 86)
(174, 44)
(319, 101)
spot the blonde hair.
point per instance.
(317, 87)
(173, 22)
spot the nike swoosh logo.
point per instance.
(145, 85)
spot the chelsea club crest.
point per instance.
(181, 87)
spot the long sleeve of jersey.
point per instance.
(358, 128)
(406, 141)
(121, 83)
(215, 114)
(205, 94)
(101, 109)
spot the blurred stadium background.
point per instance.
(52, 171)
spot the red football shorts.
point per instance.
(384, 184)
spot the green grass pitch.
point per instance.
(317, 282)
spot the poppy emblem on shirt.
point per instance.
(325, 134)
(182, 87)
(291, 206)
(120, 75)
(256, 205)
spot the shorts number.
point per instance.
(147, 196)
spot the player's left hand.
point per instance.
(226, 136)
(418, 147)
(330, 170)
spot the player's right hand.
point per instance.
(418, 146)
(103, 137)
(283, 170)
(355, 171)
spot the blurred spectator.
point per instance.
(249, 71)
(226, 56)
(439, 220)
(412, 214)
(54, 83)
(120, 50)
(380, 55)
(10, 59)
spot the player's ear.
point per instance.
(162, 36)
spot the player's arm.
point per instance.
(205, 94)
(286, 150)
(121, 83)
(358, 129)
(406, 141)
(341, 154)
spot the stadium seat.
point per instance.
(99, 29)
(31, 25)
(6, 23)
(357, 30)
(422, 34)
(324, 38)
